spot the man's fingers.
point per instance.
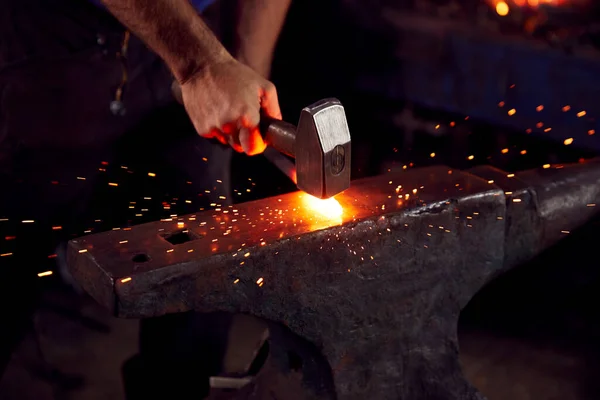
(269, 101)
(249, 118)
(234, 142)
(222, 138)
(251, 141)
(211, 134)
(216, 134)
(229, 128)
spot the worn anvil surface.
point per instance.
(378, 290)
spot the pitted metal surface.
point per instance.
(378, 290)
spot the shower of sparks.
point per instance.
(314, 213)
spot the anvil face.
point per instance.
(378, 288)
(235, 232)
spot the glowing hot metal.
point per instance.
(328, 208)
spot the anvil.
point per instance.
(377, 290)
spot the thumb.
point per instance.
(269, 101)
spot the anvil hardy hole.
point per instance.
(295, 361)
(181, 236)
(140, 258)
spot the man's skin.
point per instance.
(258, 24)
(223, 97)
(221, 94)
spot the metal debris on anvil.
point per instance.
(377, 290)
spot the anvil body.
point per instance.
(378, 291)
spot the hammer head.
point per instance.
(322, 148)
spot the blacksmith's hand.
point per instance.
(224, 101)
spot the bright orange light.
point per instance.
(502, 8)
(329, 208)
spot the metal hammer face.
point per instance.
(320, 145)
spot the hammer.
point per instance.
(320, 145)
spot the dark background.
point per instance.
(533, 333)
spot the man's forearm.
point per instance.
(259, 23)
(174, 30)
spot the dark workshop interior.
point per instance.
(506, 313)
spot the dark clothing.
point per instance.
(199, 5)
(59, 73)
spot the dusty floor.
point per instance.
(80, 348)
(510, 368)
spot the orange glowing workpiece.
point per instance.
(329, 208)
